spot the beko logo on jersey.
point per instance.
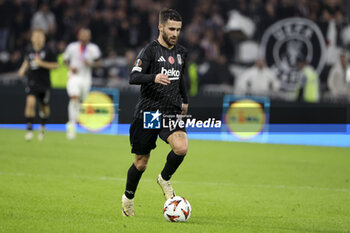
(172, 73)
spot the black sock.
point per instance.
(43, 121)
(172, 163)
(29, 121)
(132, 181)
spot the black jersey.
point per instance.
(38, 77)
(152, 60)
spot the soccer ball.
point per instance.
(177, 209)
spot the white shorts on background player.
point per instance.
(79, 83)
(77, 86)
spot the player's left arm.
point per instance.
(49, 63)
(23, 69)
(95, 54)
(183, 89)
(94, 64)
(25, 65)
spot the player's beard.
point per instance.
(167, 38)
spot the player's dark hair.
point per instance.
(169, 14)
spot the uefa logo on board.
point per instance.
(288, 39)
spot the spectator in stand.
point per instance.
(210, 45)
(196, 26)
(98, 27)
(286, 9)
(339, 77)
(10, 62)
(308, 89)
(194, 59)
(108, 37)
(58, 8)
(204, 7)
(5, 22)
(314, 10)
(218, 73)
(268, 15)
(331, 24)
(118, 68)
(15, 61)
(258, 80)
(195, 52)
(215, 20)
(153, 20)
(332, 10)
(303, 8)
(17, 36)
(68, 25)
(44, 19)
(59, 76)
(123, 25)
(255, 12)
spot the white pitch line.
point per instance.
(268, 186)
(110, 178)
(61, 176)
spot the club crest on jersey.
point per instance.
(179, 59)
(171, 60)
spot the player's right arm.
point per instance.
(23, 69)
(140, 72)
(67, 56)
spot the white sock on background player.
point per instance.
(73, 114)
(73, 111)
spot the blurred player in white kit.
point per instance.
(81, 56)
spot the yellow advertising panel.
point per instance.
(97, 112)
(245, 118)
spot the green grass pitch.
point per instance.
(76, 186)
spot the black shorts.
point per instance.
(144, 140)
(42, 94)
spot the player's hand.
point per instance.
(21, 73)
(162, 79)
(37, 61)
(184, 109)
(73, 70)
(87, 63)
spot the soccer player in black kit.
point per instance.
(37, 62)
(159, 69)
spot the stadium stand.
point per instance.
(222, 36)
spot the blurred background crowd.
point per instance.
(222, 38)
